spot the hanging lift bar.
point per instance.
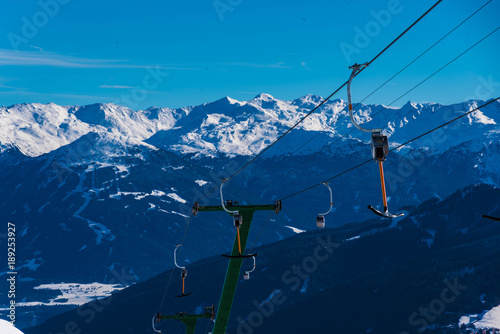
(490, 217)
(183, 274)
(235, 260)
(320, 220)
(379, 145)
(247, 272)
(238, 221)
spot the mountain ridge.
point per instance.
(224, 126)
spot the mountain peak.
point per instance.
(264, 97)
(95, 114)
(308, 101)
(411, 105)
(227, 99)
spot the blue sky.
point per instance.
(181, 53)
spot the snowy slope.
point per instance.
(234, 128)
(7, 328)
(37, 128)
(487, 319)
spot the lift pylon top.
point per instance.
(236, 258)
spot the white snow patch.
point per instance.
(180, 214)
(296, 230)
(119, 194)
(487, 319)
(137, 194)
(176, 197)
(75, 293)
(490, 319)
(157, 193)
(7, 328)
(201, 182)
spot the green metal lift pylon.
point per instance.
(189, 319)
(234, 266)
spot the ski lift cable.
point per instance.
(444, 124)
(395, 148)
(378, 112)
(403, 33)
(440, 69)
(423, 53)
(366, 97)
(322, 102)
(258, 236)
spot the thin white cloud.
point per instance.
(36, 47)
(11, 87)
(37, 58)
(116, 87)
(276, 65)
(5, 80)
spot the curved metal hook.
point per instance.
(356, 68)
(253, 257)
(222, 198)
(175, 257)
(247, 272)
(331, 199)
(153, 324)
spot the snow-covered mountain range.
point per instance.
(102, 190)
(228, 126)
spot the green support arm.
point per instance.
(234, 266)
(189, 319)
